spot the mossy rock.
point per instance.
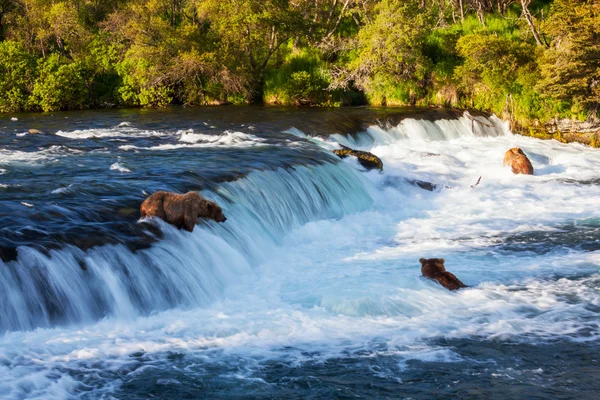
(368, 160)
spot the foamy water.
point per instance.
(122, 130)
(320, 263)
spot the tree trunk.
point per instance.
(257, 94)
(529, 19)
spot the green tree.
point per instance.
(250, 32)
(60, 85)
(497, 72)
(168, 59)
(17, 75)
(6, 6)
(570, 66)
(48, 26)
(390, 62)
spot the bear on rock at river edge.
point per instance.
(181, 210)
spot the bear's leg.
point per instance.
(190, 215)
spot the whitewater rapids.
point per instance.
(316, 262)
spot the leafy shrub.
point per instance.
(17, 74)
(60, 85)
(300, 80)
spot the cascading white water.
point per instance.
(69, 285)
(421, 130)
(183, 269)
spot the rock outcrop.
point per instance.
(564, 130)
(366, 159)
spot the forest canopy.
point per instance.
(524, 59)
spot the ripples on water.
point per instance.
(312, 288)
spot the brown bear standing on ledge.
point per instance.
(518, 161)
(433, 268)
(181, 210)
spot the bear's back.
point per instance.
(174, 207)
(449, 281)
(518, 161)
(153, 206)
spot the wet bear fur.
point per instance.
(181, 210)
(518, 161)
(433, 268)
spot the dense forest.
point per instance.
(527, 60)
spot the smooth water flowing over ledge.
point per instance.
(312, 287)
(182, 269)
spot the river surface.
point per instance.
(312, 287)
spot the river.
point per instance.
(312, 287)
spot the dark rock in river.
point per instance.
(432, 187)
(366, 159)
(8, 253)
(181, 210)
(433, 268)
(518, 161)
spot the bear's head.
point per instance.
(517, 151)
(215, 212)
(430, 267)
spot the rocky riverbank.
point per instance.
(563, 130)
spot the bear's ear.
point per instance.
(422, 260)
(207, 210)
(442, 260)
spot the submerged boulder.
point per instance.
(433, 268)
(366, 159)
(181, 210)
(518, 161)
(429, 186)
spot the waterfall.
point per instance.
(423, 130)
(184, 269)
(45, 288)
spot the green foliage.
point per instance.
(306, 88)
(17, 73)
(251, 32)
(101, 59)
(390, 62)
(299, 80)
(500, 71)
(74, 54)
(141, 83)
(60, 85)
(570, 67)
